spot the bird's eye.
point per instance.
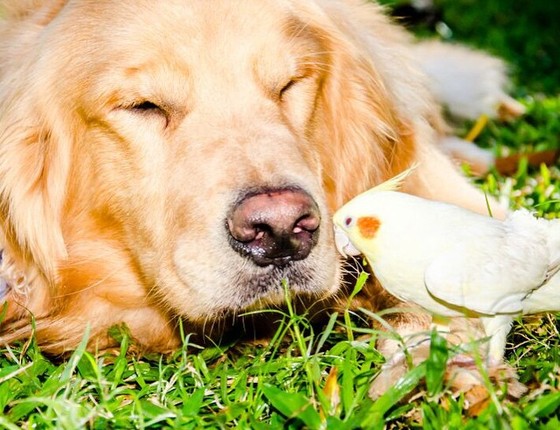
(348, 221)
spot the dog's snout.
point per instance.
(274, 227)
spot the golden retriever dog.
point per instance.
(178, 162)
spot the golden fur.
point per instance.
(128, 129)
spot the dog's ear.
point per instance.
(373, 107)
(365, 140)
(35, 150)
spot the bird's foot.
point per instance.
(466, 375)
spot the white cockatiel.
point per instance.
(454, 262)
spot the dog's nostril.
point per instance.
(308, 222)
(241, 230)
(274, 226)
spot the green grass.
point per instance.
(300, 379)
(308, 377)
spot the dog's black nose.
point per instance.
(274, 226)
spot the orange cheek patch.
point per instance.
(368, 226)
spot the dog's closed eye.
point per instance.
(286, 87)
(147, 108)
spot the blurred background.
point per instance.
(525, 33)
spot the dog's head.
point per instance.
(199, 147)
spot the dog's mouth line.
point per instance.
(273, 299)
(258, 291)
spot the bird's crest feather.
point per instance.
(395, 183)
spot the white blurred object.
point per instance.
(469, 83)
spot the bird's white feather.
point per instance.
(454, 262)
(491, 274)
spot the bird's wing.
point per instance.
(486, 275)
(553, 269)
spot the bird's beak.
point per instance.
(343, 244)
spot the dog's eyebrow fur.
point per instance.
(302, 34)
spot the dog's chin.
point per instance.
(269, 287)
(273, 285)
(260, 305)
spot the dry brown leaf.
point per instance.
(509, 165)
